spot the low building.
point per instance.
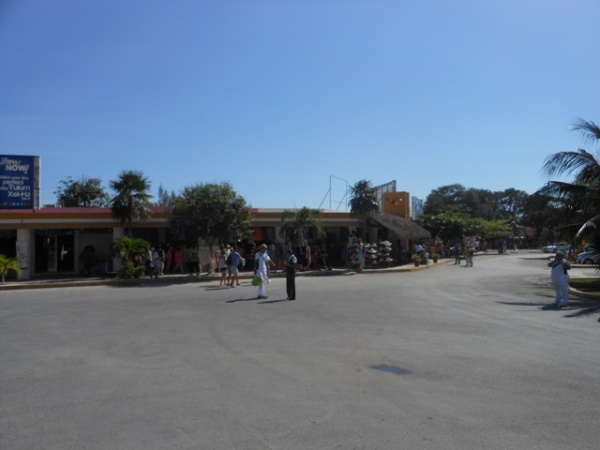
(50, 240)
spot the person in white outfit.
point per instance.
(560, 279)
(262, 264)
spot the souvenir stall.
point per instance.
(376, 255)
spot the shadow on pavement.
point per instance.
(241, 300)
(576, 307)
(274, 301)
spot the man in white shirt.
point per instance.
(560, 279)
(262, 264)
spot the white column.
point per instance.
(25, 252)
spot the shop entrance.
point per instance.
(8, 243)
(54, 251)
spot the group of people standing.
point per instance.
(228, 262)
(468, 254)
(160, 261)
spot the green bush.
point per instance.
(130, 271)
(132, 252)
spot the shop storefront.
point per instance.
(51, 241)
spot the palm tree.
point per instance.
(7, 264)
(364, 200)
(131, 199)
(295, 224)
(583, 194)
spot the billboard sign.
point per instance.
(19, 182)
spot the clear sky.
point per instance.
(283, 98)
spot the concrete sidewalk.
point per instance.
(78, 281)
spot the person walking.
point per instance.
(169, 259)
(234, 262)
(149, 262)
(222, 264)
(160, 265)
(262, 267)
(157, 263)
(469, 254)
(290, 275)
(457, 251)
(194, 262)
(360, 253)
(560, 279)
(178, 260)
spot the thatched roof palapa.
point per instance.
(402, 228)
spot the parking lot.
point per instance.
(450, 357)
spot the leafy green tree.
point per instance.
(507, 204)
(511, 202)
(445, 199)
(496, 229)
(472, 200)
(132, 198)
(295, 224)
(211, 212)
(451, 226)
(131, 251)
(7, 264)
(85, 192)
(541, 213)
(582, 195)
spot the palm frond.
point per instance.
(569, 162)
(591, 223)
(589, 130)
(561, 190)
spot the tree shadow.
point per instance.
(579, 307)
(587, 310)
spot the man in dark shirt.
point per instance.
(290, 275)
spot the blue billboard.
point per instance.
(19, 182)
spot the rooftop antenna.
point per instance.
(344, 198)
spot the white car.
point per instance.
(588, 258)
(553, 248)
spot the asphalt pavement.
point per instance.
(444, 357)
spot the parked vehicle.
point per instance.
(592, 257)
(553, 248)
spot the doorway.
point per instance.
(54, 251)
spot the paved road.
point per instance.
(447, 358)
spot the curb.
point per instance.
(582, 294)
(181, 279)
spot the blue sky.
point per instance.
(285, 98)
